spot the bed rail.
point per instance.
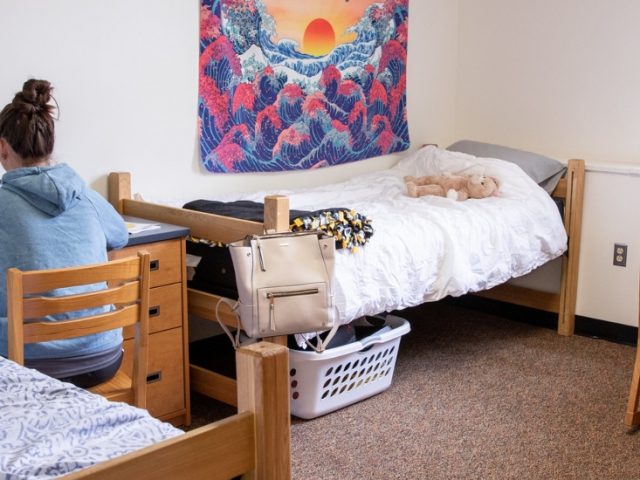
(255, 442)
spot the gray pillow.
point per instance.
(545, 171)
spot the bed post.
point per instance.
(570, 262)
(263, 388)
(119, 189)
(276, 213)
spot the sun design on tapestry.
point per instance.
(300, 84)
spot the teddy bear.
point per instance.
(455, 187)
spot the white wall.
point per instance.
(561, 77)
(125, 74)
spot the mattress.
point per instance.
(49, 428)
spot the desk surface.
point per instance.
(165, 232)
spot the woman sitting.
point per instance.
(50, 219)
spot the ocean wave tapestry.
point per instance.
(301, 84)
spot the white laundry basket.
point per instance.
(324, 382)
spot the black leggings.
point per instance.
(91, 379)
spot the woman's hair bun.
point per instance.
(36, 93)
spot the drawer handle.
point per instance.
(154, 264)
(154, 311)
(154, 377)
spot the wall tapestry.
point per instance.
(300, 84)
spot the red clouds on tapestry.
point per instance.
(291, 85)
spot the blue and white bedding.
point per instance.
(49, 428)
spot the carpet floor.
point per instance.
(477, 396)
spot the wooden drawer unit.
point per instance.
(165, 398)
(168, 365)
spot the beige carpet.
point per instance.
(476, 396)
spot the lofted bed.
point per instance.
(52, 429)
(569, 190)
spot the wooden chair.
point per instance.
(127, 292)
(633, 415)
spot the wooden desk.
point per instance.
(168, 395)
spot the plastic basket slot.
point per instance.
(329, 370)
(347, 366)
(344, 387)
(325, 394)
(355, 364)
(335, 380)
(334, 391)
(378, 355)
(327, 383)
(338, 369)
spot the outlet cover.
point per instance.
(620, 255)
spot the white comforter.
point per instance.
(427, 248)
(49, 428)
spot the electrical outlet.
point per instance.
(620, 255)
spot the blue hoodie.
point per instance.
(50, 219)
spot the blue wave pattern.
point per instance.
(49, 428)
(265, 106)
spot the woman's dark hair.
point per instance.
(27, 122)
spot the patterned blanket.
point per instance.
(49, 428)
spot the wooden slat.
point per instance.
(523, 296)
(222, 450)
(203, 225)
(213, 385)
(44, 281)
(203, 305)
(47, 331)
(41, 306)
(570, 266)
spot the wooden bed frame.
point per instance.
(255, 443)
(276, 214)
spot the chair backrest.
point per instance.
(127, 295)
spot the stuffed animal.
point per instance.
(456, 187)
